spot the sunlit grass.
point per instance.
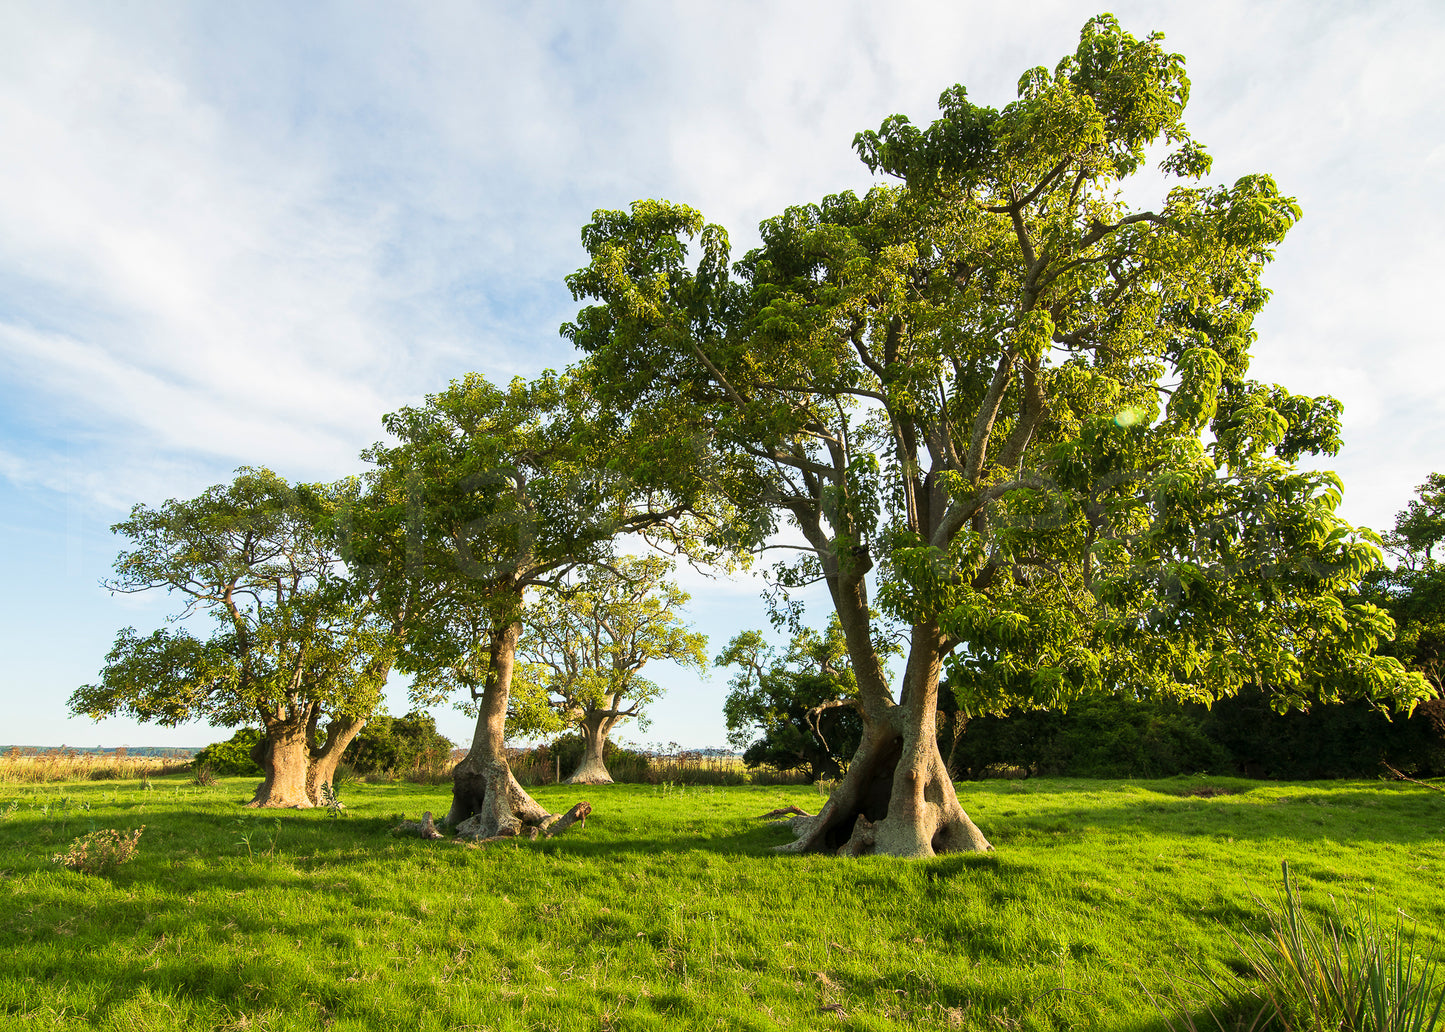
(669, 911)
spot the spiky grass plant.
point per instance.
(1351, 973)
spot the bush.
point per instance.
(1123, 738)
(400, 746)
(232, 758)
(100, 851)
(1099, 738)
(1348, 740)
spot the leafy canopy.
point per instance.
(584, 647)
(492, 493)
(295, 636)
(794, 709)
(1020, 402)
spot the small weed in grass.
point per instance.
(253, 839)
(330, 800)
(100, 851)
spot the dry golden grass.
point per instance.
(37, 766)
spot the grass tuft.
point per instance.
(1349, 972)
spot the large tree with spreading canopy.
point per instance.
(1014, 407)
(584, 649)
(298, 645)
(491, 495)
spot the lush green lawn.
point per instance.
(668, 910)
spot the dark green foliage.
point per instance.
(795, 735)
(399, 744)
(795, 710)
(1341, 741)
(232, 758)
(1101, 737)
(1112, 737)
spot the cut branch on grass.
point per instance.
(1402, 777)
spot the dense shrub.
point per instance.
(1102, 738)
(232, 758)
(1110, 737)
(1344, 741)
(400, 745)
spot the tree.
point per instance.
(397, 745)
(797, 710)
(298, 646)
(491, 494)
(1413, 590)
(585, 648)
(1019, 409)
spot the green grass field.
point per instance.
(669, 911)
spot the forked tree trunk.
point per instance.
(593, 770)
(897, 798)
(326, 757)
(295, 765)
(487, 801)
(285, 757)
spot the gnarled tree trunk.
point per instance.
(326, 756)
(487, 801)
(285, 757)
(897, 798)
(593, 770)
(295, 764)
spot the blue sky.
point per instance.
(239, 234)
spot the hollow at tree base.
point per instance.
(885, 807)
